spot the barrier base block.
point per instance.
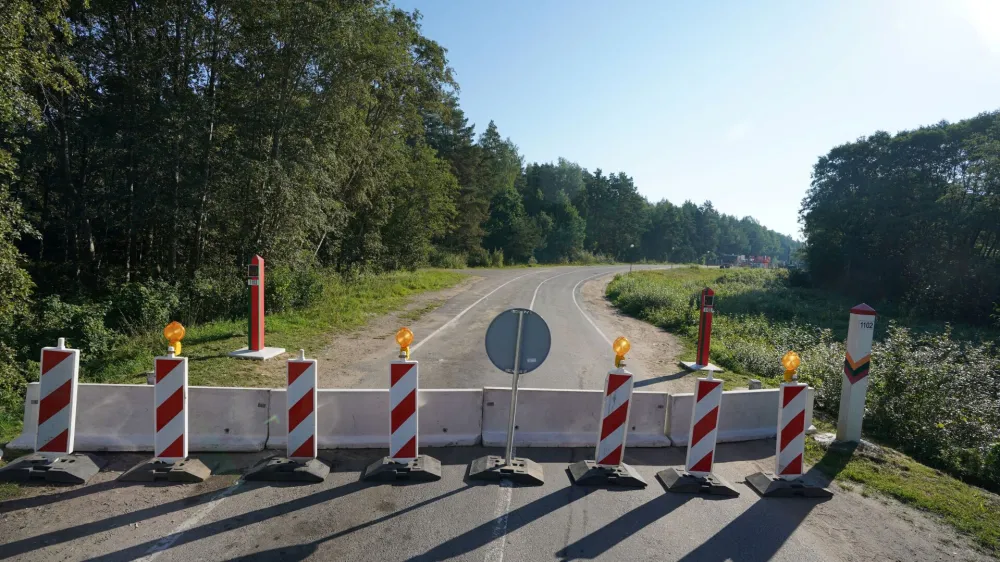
(420, 469)
(768, 486)
(692, 366)
(259, 355)
(281, 469)
(185, 471)
(588, 473)
(520, 471)
(682, 482)
(76, 468)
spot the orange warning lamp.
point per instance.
(404, 337)
(621, 347)
(790, 361)
(174, 332)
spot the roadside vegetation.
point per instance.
(120, 337)
(934, 389)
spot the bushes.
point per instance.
(447, 260)
(934, 396)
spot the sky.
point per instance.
(728, 101)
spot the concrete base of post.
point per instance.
(280, 469)
(261, 355)
(588, 473)
(692, 366)
(420, 469)
(681, 482)
(77, 468)
(494, 469)
(189, 471)
(769, 486)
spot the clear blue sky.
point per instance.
(728, 101)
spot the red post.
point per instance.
(705, 325)
(255, 280)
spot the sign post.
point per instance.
(854, 384)
(707, 302)
(255, 348)
(517, 342)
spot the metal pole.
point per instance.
(509, 455)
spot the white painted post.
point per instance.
(854, 385)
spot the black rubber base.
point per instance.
(494, 469)
(676, 480)
(67, 469)
(185, 471)
(280, 469)
(420, 469)
(587, 473)
(770, 487)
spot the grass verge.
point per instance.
(891, 473)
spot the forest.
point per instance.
(912, 219)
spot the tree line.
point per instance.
(173, 140)
(912, 219)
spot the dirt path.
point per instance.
(655, 352)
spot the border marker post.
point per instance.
(854, 384)
(707, 309)
(608, 468)
(255, 348)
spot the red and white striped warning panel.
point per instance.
(170, 442)
(57, 400)
(791, 430)
(403, 381)
(614, 418)
(704, 427)
(301, 395)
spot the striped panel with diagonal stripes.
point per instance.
(704, 426)
(301, 403)
(791, 430)
(614, 418)
(170, 441)
(57, 400)
(403, 418)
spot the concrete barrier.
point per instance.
(568, 418)
(745, 415)
(119, 417)
(354, 419)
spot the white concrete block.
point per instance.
(745, 415)
(568, 418)
(261, 355)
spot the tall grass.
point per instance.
(934, 391)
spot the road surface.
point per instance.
(345, 519)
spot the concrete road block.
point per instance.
(228, 419)
(568, 418)
(745, 415)
(26, 440)
(360, 418)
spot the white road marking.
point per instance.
(578, 307)
(169, 540)
(535, 296)
(417, 345)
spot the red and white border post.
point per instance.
(790, 446)
(697, 476)
(54, 459)
(707, 308)
(608, 468)
(302, 442)
(854, 385)
(170, 427)
(404, 461)
(255, 348)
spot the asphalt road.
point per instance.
(450, 345)
(346, 519)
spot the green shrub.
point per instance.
(215, 294)
(289, 288)
(83, 326)
(933, 396)
(496, 258)
(446, 260)
(479, 257)
(136, 308)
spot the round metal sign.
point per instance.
(501, 340)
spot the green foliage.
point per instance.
(934, 396)
(447, 260)
(913, 217)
